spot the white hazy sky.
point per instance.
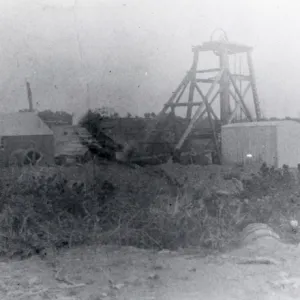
(131, 54)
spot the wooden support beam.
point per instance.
(253, 86)
(231, 117)
(197, 113)
(237, 102)
(179, 96)
(185, 104)
(225, 84)
(246, 89)
(234, 97)
(232, 48)
(205, 80)
(183, 83)
(189, 128)
(247, 112)
(182, 91)
(210, 103)
(208, 70)
(238, 105)
(241, 77)
(208, 106)
(192, 83)
(211, 123)
(175, 93)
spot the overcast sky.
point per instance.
(131, 54)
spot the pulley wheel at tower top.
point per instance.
(222, 37)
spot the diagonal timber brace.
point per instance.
(198, 112)
(210, 112)
(241, 99)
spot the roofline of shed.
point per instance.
(9, 135)
(259, 124)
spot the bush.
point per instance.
(38, 211)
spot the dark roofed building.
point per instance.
(25, 130)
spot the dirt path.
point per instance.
(93, 273)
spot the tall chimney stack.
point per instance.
(29, 96)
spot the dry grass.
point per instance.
(42, 208)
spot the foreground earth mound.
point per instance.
(266, 269)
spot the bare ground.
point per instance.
(109, 272)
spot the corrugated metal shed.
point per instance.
(257, 124)
(22, 124)
(273, 142)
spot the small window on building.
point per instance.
(65, 133)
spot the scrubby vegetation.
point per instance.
(41, 210)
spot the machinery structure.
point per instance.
(223, 87)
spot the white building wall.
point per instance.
(288, 143)
(257, 139)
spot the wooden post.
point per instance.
(246, 90)
(207, 104)
(198, 113)
(192, 74)
(247, 112)
(224, 83)
(182, 84)
(253, 86)
(211, 122)
(210, 103)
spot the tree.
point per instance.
(104, 145)
(57, 116)
(149, 115)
